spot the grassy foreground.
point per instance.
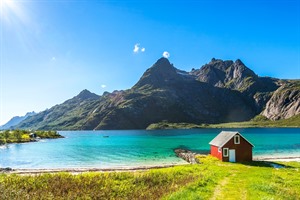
(258, 121)
(211, 179)
(20, 136)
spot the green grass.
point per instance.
(20, 136)
(258, 121)
(212, 179)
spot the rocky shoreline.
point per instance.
(186, 155)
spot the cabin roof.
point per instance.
(223, 137)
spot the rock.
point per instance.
(186, 155)
(5, 170)
(284, 103)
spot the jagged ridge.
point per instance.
(220, 91)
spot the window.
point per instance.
(237, 139)
(225, 152)
(219, 150)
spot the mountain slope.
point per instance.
(16, 120)
(165, 93)
(285, 102)
(236, 76)
(67, 115)
(221, 91)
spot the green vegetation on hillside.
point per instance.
(258, 121)
(20, 136)
(210, 179)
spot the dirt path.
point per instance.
(220, 187)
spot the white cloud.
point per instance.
(53, 58)
(138, 49)
(166, 54)
(103, 86)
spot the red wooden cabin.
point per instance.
(231, 146)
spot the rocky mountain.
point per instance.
(68, 115)
(220, 91)
(236, 76)
(165, 93)
(285, 102)
(16, 120)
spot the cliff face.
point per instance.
(226, 74)
(236, 76)
(221, 91)
(285, 102)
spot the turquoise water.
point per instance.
(85, 149)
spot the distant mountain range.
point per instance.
(220, 91)
(16, 120)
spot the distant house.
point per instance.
(32, 135)
(231, 146)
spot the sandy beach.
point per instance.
(81, 170)
(274, 159)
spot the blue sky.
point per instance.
(51, 50)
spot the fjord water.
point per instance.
(132, 148)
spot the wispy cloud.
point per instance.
(53, 58)
(138, 49)
(166, 54)
(103, 86)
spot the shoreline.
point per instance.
(79, 170)
(276, 159)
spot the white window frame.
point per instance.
(224, 152)
(237, 139)
(219, 150)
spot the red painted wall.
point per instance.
(243, 151)
(215, 152)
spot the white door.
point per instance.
(231, 155)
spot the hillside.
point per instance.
(68, 115)
(258, 121)
(285, 102)
(16, 120)
(218, 92)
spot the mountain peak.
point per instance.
(160, 73)
(241, 71)
(239, 62)
(162, 64)
(30, 113)
(86, 94)
(162, 60)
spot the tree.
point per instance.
(18, 135)
(6, 135)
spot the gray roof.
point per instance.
(223, 137)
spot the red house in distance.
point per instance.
(231, 146)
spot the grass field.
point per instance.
(211, 179)
(258, 121)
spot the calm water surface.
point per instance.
(82, 149)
